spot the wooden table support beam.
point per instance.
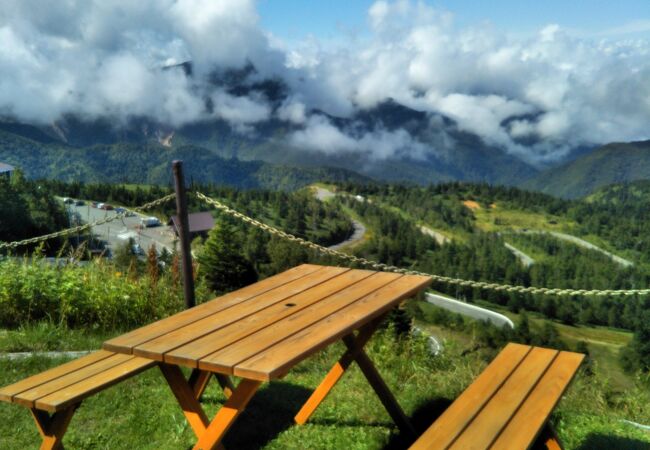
(211, 438)
(385, 395)
(355, 352)
(186, 397)
(199, 380)
(52, 428)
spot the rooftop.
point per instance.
(198, 222)
(6, 168)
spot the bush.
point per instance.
(96, 295)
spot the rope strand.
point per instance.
(508, 288)
(84, 227)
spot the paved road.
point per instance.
(440, 238)
(526, 260)
(582, 243)
(359, 232)
(118, 231)
(469, 310)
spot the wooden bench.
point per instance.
(508, 405)
(54, 395)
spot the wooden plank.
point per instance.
(225, 359)
(8, 392)
(487, 425)
(525, 425)
(28, 397)
(323, 280)
(463, 410)
(125, 343)
(276, 360)
(190, 354)
(69, 395)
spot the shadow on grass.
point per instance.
(269, 413)
(597, 441)
(421, 419)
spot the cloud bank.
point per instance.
(536, 97)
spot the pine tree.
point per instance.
(221, 261)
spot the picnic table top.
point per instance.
(262, 330)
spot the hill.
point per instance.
(149, 162)
(609, 164)
(389, 142)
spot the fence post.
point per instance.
(183, 229)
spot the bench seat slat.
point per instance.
(458, 415)
(494, 416)
(538, 406)
(7, 393)
(30, 396)
(65, 397)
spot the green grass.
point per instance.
(501, 218)
(141, 413)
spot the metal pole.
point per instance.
(183, 233)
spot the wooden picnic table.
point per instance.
(259, 332)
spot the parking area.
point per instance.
(117, 232)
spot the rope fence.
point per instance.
(507, 288)
(459, 282)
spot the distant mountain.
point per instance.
(149, 162)
(609, 164)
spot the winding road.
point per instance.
(359, 232)
(469, 310)
(584, 244)
(526, 260)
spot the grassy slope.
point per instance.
(351, 417)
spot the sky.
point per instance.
(294, 20)
(534, 79)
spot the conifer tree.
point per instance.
(222, 263)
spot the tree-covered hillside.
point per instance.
(609, 164)
(149, 162)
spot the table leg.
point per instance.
(186, 398)
(199, 380)
(226, 384)
(211, 438)
(549, 438)
(52, 428)
(355, 346)
(385, 395)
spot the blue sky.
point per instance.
(297, 19)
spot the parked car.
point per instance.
(79, 203)
(129, 214)
(94, 204)
(150, 222)
(67, 200)
(106, 206)
(120, 210)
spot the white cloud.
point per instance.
(319, 134)
(105, 57)
(292, 110)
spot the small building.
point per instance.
(200, 223)
(5, 170)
